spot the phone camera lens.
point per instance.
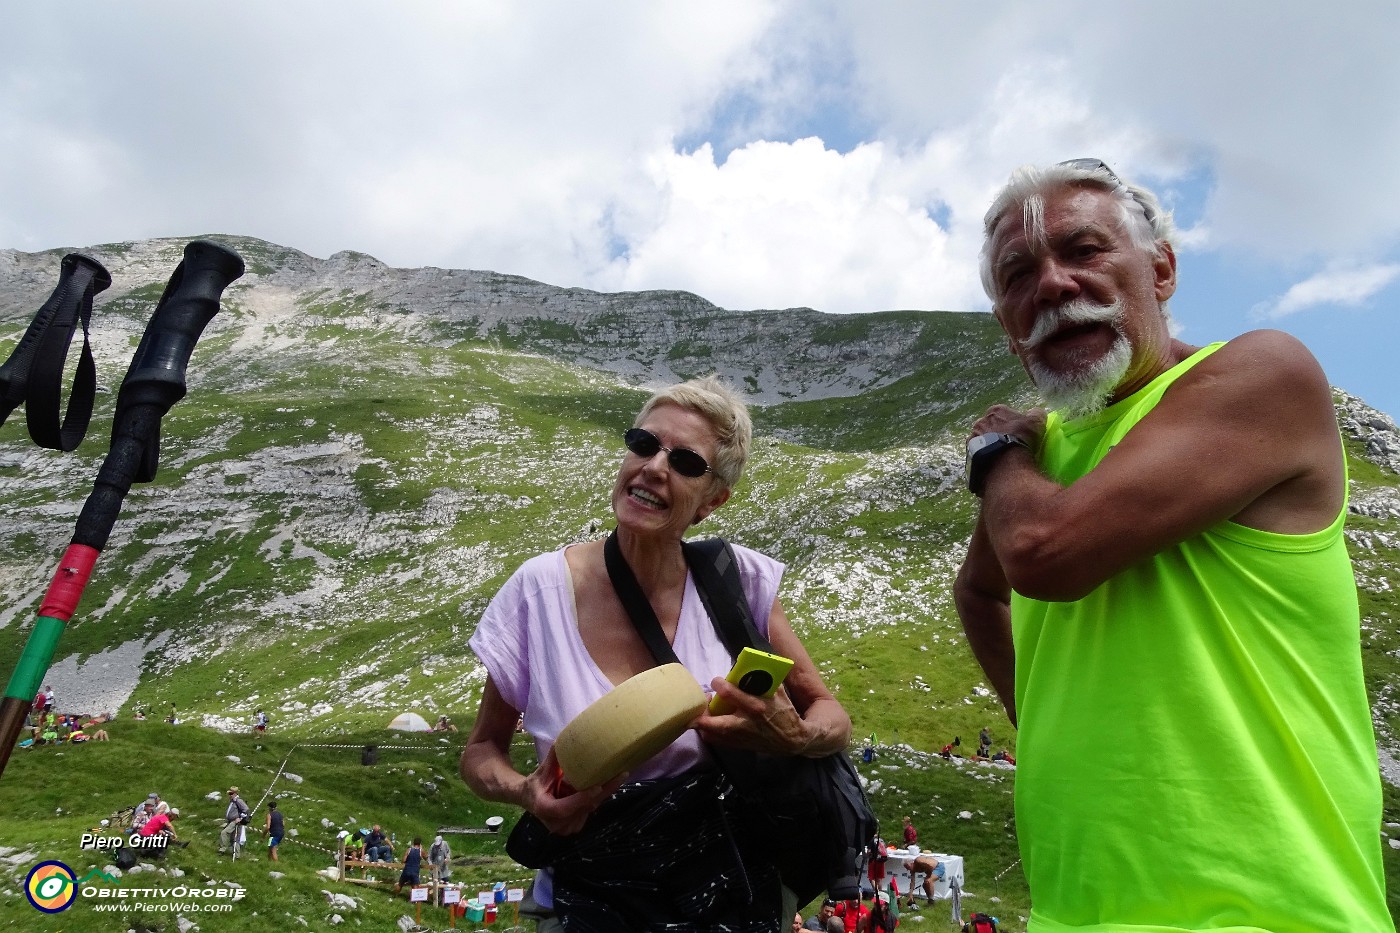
(756, 683)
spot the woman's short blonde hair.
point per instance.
(712, 399)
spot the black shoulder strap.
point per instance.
(717, 581)
(639, 610)
(33, 374)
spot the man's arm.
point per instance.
(1248, 434)
(983, 600)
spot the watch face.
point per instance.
(980, 441)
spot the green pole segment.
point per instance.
(35, 658)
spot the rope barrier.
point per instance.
(416, 748)
(1007, 869)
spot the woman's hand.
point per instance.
(559, 807)
(773, 725)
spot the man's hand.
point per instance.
(1029, 426)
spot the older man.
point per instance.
(1158, 585)
(235, 818)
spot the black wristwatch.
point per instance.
(982, 451)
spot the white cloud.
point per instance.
(785, 224)
(1336, 286)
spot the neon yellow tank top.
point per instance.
(1195, 748)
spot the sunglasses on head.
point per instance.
(684, 461)
(1100, 166)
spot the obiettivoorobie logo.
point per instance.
(51, 886)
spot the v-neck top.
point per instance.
(529, 642)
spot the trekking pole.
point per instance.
(154, 382)
(33, 375)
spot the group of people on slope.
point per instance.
(47, 726)
(1165, 545)
(374, 845)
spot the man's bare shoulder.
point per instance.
(1268, 367)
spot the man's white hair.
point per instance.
(1141, 214)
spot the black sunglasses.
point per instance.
(684, 461)
(1099, 165)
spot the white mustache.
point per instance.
(1079, 311)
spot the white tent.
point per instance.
(410, 722)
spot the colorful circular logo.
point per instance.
(51, 887)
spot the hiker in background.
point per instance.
(444, 724)
(260, 722)
(947, 750)
(173, 718)
(984, 743)
(377, 846)
(275, 829)
(235, 816)
(1168, 547)
(682, 457)
(439, 859)
(823, 915)
(412, 864)
(932, 870)
(1003, 755)
(853, 915)
(49, 701)
(877, 855)
(143, 812)
(160, 824)
(911, 835)
(355, 845)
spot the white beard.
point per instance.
(1085, 389)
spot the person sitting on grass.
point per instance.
(412, 864)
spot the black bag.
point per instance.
(816, 806)
(125, 857)
(625, 871)
(980, 923)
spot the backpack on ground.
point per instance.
(981, 923)
(125, 857)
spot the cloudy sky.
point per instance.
(771, 154)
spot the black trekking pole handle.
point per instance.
(154, 382)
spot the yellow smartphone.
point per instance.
(755, 672)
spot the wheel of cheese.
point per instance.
(628, 724)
